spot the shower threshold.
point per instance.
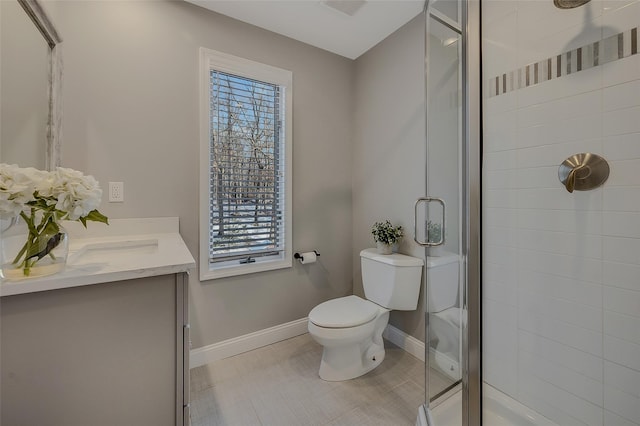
(499, 409)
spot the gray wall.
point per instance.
(389, 148)
(131, 114)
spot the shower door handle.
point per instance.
(427, 200)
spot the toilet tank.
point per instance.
(392, 280)
(442, 281)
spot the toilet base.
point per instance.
(446, 363)
(351, 352)
(349, 362)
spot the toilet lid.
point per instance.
(349, 311)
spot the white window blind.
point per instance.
(247, 202)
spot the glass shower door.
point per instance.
(442, 207)
(453, 175)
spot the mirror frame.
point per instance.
(34, 9)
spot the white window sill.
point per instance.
(212, 273)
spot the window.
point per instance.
(245, 176)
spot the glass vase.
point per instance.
(32, 247)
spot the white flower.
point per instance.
(42, 198)
(72, 192)
(17, 186)
(67, 191)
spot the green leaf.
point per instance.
(50, 229)
(44, 242)
(96, 216)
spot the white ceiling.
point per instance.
(315, 23)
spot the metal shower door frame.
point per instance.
(472, 205)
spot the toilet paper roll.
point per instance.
(308, 257)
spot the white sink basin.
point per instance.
(109, 251)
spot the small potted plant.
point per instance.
(386, 235)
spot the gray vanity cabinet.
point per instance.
(114, 353)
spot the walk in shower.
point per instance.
(556, 272)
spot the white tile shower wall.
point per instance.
(561, 272)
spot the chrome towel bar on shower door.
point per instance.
(415, 222)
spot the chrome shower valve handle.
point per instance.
(582, 172)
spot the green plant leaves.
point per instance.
(44, 242)
(94, 216)
(386, 233)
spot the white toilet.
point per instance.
(445, 316)
(350, 328)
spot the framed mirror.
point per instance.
(30, 86)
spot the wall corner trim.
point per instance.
(247, 342)
(401, 339)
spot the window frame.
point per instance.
(211, 59)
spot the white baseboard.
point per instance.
(247, 342)
(409, 343)
(268, 336)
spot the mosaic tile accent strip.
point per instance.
(610, 49)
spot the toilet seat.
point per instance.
(344, 312)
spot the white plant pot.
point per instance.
(384, 248)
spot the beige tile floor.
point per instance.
(279, 385)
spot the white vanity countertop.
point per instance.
(124, 250)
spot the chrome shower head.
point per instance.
(569, 4)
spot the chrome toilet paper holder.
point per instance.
(298, 256)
